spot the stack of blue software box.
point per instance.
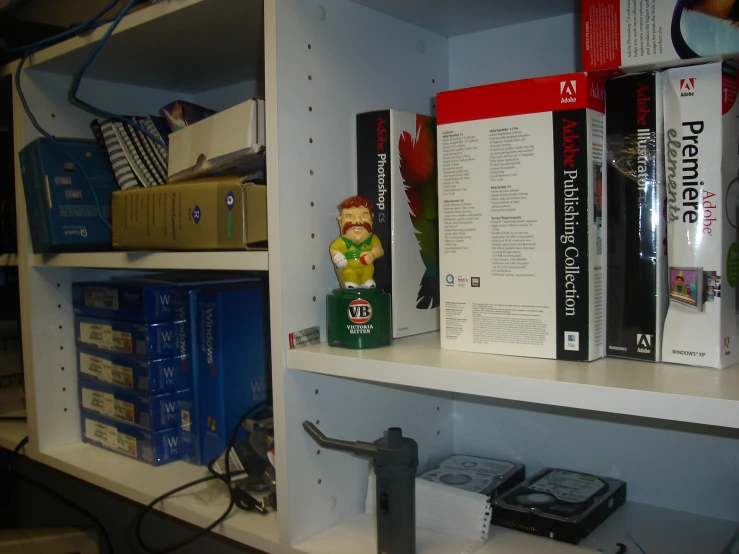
(199, 340)
(133, 365)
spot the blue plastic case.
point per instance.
(60, 201)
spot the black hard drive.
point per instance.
(560, 504)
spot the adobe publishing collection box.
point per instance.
(521, 218)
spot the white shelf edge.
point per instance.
(661, 391)
(142, 483)
(214, 260)
(656, 529)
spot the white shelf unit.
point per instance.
(669, 431)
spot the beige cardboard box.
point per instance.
(214, 213)
(229, 142)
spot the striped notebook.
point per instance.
(134, 158)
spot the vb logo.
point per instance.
(643, 341)
(359, 311)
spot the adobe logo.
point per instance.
(568, 90)
(687, 86)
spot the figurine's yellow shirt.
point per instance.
(351, 249)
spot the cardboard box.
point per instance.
(396, 170)
(659, 33)
(231, 365)
(60, 201)
(217, 213)
(150, 412)
(521, 219)
(701, 165)
(149, 376)
(145, 340)
(229, 142)
(636, 277)
(153, 447)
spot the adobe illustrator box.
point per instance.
(636, 291)
(521, 219)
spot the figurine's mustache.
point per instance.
(348, 225)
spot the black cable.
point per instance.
(235, 499)
(136, 523)
(58, 496)
(241, 498)
(19, 447)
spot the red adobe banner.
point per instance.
(601, 34)
(542, 94)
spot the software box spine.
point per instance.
(153, 447)
(156, 412)
(149, 376)
(701, 166)
(131, 300)
(636, 291)
(144, 340)
(397, 171)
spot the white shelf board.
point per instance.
(655, 529)
(662, 391)
(181, 34)
(241, 260)
(461, 17)
(142, 483)
(8, 260)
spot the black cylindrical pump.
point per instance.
(395, 458)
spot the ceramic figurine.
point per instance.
(357, 313)
(356, 250)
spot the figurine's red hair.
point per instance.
(356, 202)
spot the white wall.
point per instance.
(543, 47)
